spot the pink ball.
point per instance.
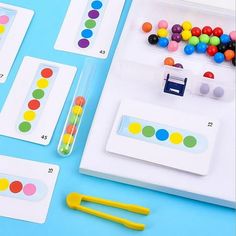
(173, 46)
(162, 24)
(232, 35)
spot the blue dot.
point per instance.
(189, 49)
(87, 33)
(163, 42)
(162, 134)
(96, 4)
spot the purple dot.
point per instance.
(177, 28)
(83, 43)
(93, 14)
(176, 37)
(178, 65)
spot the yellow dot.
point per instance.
(77, 110)
(176, 138)
(29, 115)
(42, 83)
(2, 29)
(4, 183)
(186, 35)
(135, 128)
(68, 139)
(187, 25)
(162, 32)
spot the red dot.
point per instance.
(218, 31)
(212, 50)
(34, 104)
(196, 31)
(207, 30)
(209, 75)
(16, 187)
(71, 129)
(47, 72)
(80, 101)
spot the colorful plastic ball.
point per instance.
(173, 46)
(207, 30)
(194, 40)
(217, 31)
(162, 32)
(77, 110)
(231, 45)
(196, 31)
(232, 35)
(229, 55)
(186, 35)
(176, 37)
(209, 74)
(178, 65)
(176, 29)
(189, 49)
(169, 61)
(201, 47)
(71, 129)
(80, 101)
(153, 39)
(233, 61)
(222, 47)
(224, 38)
(163, 42)
(212, 50)
(218, 92)
(146, 27)
(204, 38)
(219, 57)
(67, 139)
(162, 24)
(204, 89)
(65, 149)
(187, 25)
(214, 40)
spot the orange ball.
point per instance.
(229, 55)
(71, 129)
(80, 101)
(169, 61)
(146, 27)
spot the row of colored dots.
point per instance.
(90, 24)
(34, 104)
(72, 126)
(17, 186)
(4, 19)
(176, 138)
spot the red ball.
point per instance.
(212, 50)
(218, 31)
(196, 31)
(207, 30)
(209, 75)
(80, 101)
(71, 129)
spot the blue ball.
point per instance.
(224, 38)
(189, 49)
(219, 57)
(163, 42)
(201, 47)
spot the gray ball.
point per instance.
(218, 92)
(204, 89)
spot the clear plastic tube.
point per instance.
(76, 112)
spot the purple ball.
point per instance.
(178, 65)
(176, 37)
(177, 28)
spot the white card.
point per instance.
(164, 136)
(14, 22)
(26, 188)
(89, 27)
(36, 99)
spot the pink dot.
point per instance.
(29, 189)
(4, 19)
(162, 24)
(233, 35)
(173, 46)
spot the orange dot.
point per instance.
(146, 27)
(80, 101)
(71, 129)
(229, 55)
(169, 61)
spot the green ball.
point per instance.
(74, 119)
(65, 149)
(194, 40)
(214, 40)
(204, 38)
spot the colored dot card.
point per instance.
(14, 23)
(164, 136)
(36, 99)
(26, 188)
(93, 28)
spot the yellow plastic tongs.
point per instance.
(74, 200)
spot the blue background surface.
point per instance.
(170, 215)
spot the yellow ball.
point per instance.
(187, 25)
(77, 110)
(186, 35)
(162, 33)
(68, 139)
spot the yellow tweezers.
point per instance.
(74, 200)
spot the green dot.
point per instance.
(214, 40)
(148, 131)
(90, 24)
(204, 38)
(24, 126)
(65, 149)
(38, 93)
(190, 141)
(194, 40)
(74, 119)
